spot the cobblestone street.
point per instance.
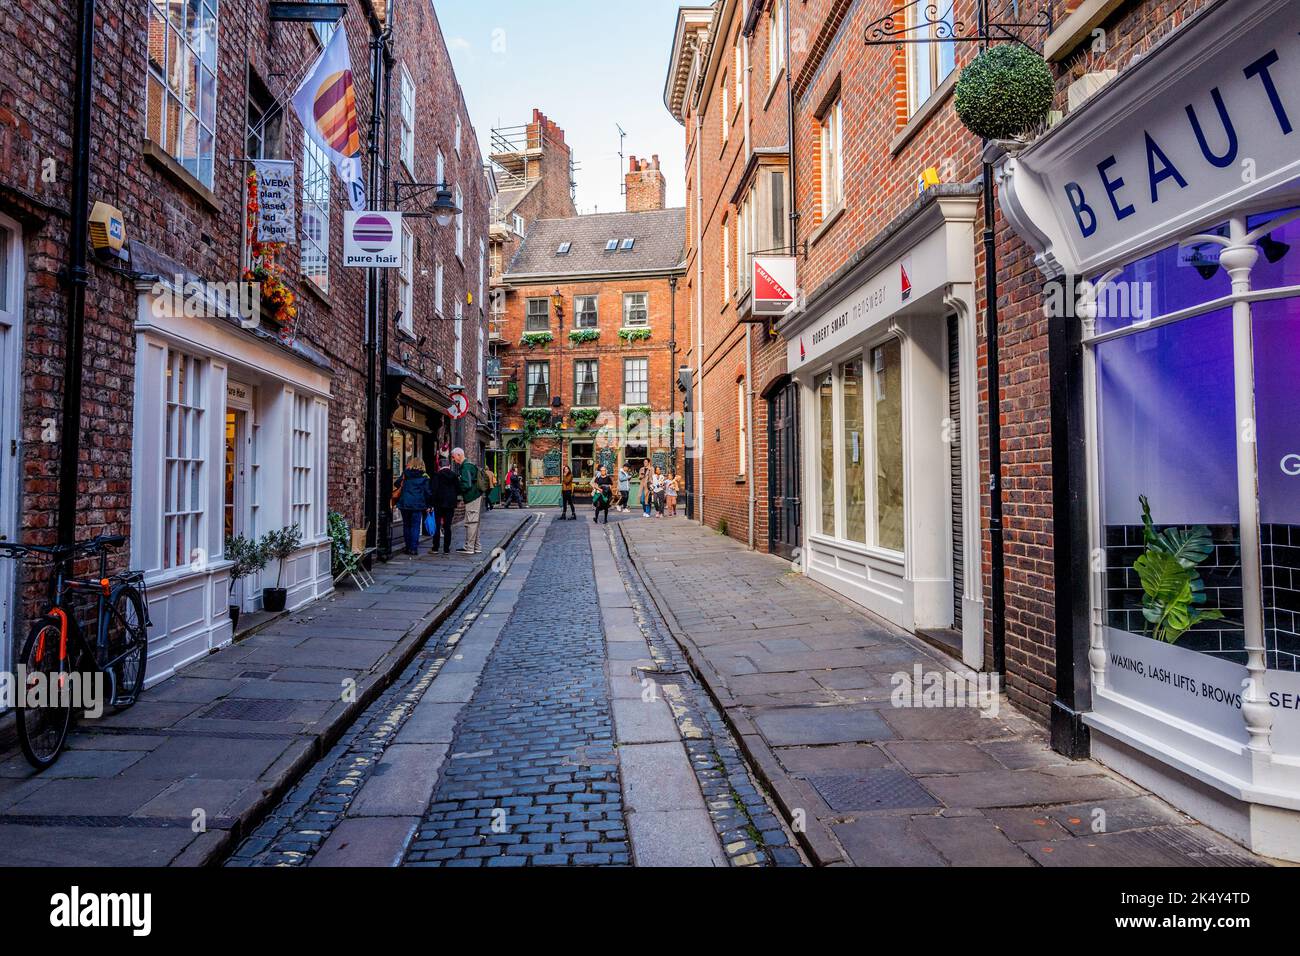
(552, 721)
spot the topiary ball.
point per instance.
(1004, 91)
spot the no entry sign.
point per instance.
(459, 406)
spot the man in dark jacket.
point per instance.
(472, 495)
(446, 495)
(414, 497)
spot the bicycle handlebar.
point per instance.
(95, 545)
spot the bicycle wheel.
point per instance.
(125, 648)
(43, 728)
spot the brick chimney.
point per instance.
(646, 187)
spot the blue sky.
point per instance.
(588, 65)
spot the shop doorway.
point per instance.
(953, 434)
(783, 470)
(239, 498)
(11, 292)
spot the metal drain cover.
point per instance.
(260, 675)
(239, 708)
(871, 790)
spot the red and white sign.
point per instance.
(775, 282)
(459, 406)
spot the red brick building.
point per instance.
(592, 332)
(197, 425)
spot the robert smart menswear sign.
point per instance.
(326, 104)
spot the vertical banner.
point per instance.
(274, 200)
(327, 106)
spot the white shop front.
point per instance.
(886, 361)
(231, 437)
(1175, 195)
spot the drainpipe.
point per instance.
(697, 406)
(374, 432)
(748, 412)
(76, 277)
(789, 134)
(385, 460)
(997, 563)
(672, 372)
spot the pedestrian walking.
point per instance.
(657, 486)
(514, 488)
(446, 495)
(413, 496)
(624, 487)
(566, 495)
(670, 491)
(602, 494)
(472, 482)
(492, 496)
(645, 475)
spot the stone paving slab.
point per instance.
(156, 763)
(806, 679)
(402, 783)
(367, 841)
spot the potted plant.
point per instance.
(248, 558)
(280, 545)
(1086, 78)
(1003, 92)
(1173, 594)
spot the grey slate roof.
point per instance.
(660, 244)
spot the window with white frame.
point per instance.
(776, 41)
(518, 224)
(460, 225)
(478, 359)
(929, 64)
(538, 318)
(441, 168)
(636, 309)
(460, 338)
(742, 434)
(586, 383)
(302, 443)
(181, 83)
(482, 271)
(408, 121)
(458, 135)
(726, 261)
(740, 72)
(406, 282)
(726, 111)
(438, 305)
(184, 465)
(831, 140)
(315, 244)
(636, 381)
(538, 384)
(744, 242)
(585, 314)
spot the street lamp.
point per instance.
(444, 207)
(557, 303)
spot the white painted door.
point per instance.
(11, 297)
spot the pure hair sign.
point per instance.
(372, 240)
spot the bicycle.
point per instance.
(58, 655)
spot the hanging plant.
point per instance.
(639, 334)
(512, 393)
(583, 418)
(579, 336)
(1004, 91)
(534, 339)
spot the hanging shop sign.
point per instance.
(372, 240)
(274, 200)
(775, 281)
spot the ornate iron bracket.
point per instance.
(921, 21)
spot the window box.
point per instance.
(534, 339)
(634, 334)
(580, 336)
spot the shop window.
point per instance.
(1167, 433)
(181, 83)
(584, 312)
(854, 451)
(1279, 252)
(315, 214)
(586, 387)
(1175, 278)
(582, 458)
(826, 456)
(539, 316)
(184, 463)
(302, 464)
(887, 422)
(636, 381)
(635, 455)
(538, 383)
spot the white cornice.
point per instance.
(692, 27)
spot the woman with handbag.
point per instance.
(413, 495)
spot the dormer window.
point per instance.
(564, 249)
(611, 245)
(628, 244)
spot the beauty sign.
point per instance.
(372, 240)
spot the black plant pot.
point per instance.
(234, 619)
(274, 599)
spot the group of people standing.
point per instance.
(658, 496)
(428, 502)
